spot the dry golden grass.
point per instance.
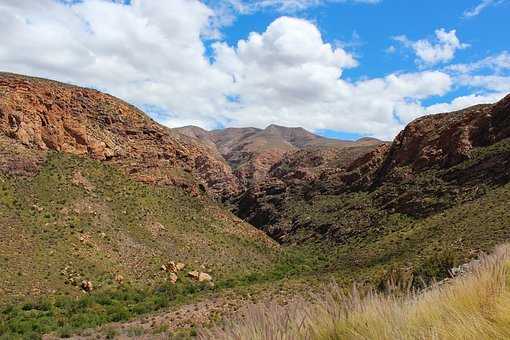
(473, 306)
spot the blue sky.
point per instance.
(367, 30)
(345, 69)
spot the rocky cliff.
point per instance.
(37, 114)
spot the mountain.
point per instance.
(435, 198)
(92, 189)
(435, 163)
(98, 204)
(45, 115)
(251, 152)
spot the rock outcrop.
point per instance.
(446, 139)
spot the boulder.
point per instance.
(200, 276)
(175, 267)
(172, 267)
(204, 277)
(87, 286)
(119, 279)
(172, 278)
(194, 274)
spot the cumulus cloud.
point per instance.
(152, 53)
(145, 52)
(430, 53)
(289, 75)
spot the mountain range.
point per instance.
(94, 193)
(251, 152)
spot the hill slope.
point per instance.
(474, 306)
(46, 115)
(80, 219)
(436, 163)
(91, 188)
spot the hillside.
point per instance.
(92, 187)
(435, 163)
(474, 305)
(96, 197)
(46, 115)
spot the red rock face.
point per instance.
(446, 139)
(46, 115)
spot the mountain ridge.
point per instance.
(251, 152)
(47, 115)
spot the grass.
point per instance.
(46, 239)
(418, 228)
(65, 315)
(55, 233)
(475, 306)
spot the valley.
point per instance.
(94, 191)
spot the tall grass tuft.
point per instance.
(472, 306)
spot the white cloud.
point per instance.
(289, 75)
(490, 82)
(431, 53)
(484, 4)
(147, 52)
(248, 6)
(496, 63)
(465, 101)
(391, 49)
(486, 75)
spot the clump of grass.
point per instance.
(474, 306)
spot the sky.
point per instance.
(341, 68)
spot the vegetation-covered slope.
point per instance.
(79, 219)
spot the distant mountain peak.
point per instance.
(251, 152)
